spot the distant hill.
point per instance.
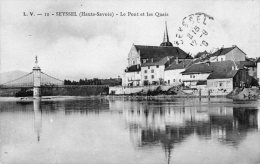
(8, 76)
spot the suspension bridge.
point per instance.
(43, 84)
(26, 81)
(35, 79)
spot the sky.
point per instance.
(73, 47)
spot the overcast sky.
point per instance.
(87, 47)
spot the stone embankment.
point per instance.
(179, 91)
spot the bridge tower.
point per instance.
(36, 79)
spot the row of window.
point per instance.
(174, 80)
(152, 71)
(146, 77)
(157, 66)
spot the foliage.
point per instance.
(95, 81)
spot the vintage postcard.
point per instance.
(129, 81)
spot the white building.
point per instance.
(153, 71)
(173, 73)
(231, 53)
(152, 60)
(132, 76)
(258, 69)
(196, 73)
(222, 76)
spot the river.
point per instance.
(95, 130)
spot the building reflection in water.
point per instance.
(37, 118)
(167, 124)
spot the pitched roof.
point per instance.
(218, 74)
(201, 54)
(222, 51)
(217, 70)
(161, 61)
(181, 65)
(247, 63)
(148, 52)
(258, 60)
(202, 82)
(133, 68)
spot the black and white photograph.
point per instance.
(130, 82)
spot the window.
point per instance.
(152, 76)
(179, 80)
(133, 62)
(168, 81)
(173, 80)
(157, 66)
(190, 76)
(145, 71)
(193, 76)
(137, 72)
(152, 71)
(148, 67)
(145, 77)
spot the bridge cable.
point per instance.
(17, 79)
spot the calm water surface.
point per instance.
(119, 131)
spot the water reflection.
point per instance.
(37, 118)
(164, 125)
(167, 124)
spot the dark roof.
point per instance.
(218, 74)
(247, 63)
(217, 70)
(202, 82)
(258, 60)
(162, 61)
(181, 65)
(166, 44)
(222, 51)
(133, 68)
(148, 52)
(201, 54)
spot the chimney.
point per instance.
(234, 45)
(177, 60)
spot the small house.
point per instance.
(231, 53)
(172, 73)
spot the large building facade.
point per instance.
(165, 64)
(151, 62)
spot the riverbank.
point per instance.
(65, 90)
(161, 91)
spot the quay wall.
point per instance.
(122, 90)
(200, 91)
